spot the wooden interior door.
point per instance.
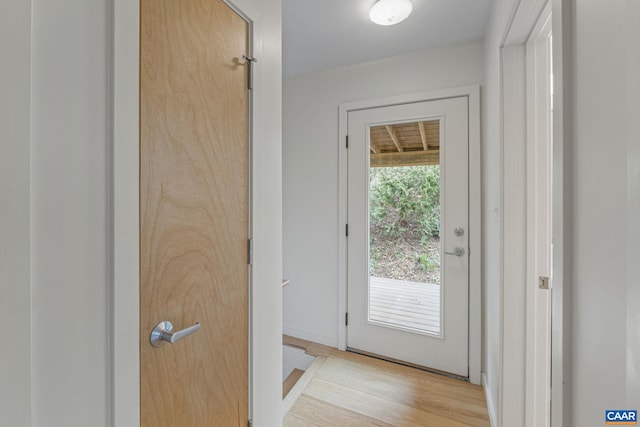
(194, 150)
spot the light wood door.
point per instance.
(194, 150)
(425, 324)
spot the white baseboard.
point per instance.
(309, 335)
(493, 416)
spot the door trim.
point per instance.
(539, 126)
(511, 400)
(475, 244)
(124, 366)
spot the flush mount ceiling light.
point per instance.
(390, 12)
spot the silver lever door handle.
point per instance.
(163, 332)
(457, 251)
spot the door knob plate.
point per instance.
(163, 333)
(457, 251)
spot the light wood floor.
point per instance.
(346, 389)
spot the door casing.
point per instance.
(511, 405)
(447, 350)
(194, 219)
(539, 180)
(475, 244)
(265, 301)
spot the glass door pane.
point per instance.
(404, 226)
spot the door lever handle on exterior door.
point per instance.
(457, 251)
(163, 332)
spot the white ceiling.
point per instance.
(322, 34)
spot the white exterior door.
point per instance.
(424, 324)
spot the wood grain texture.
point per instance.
(353, 390)
(293, 421)
(194, 212)
(407, 158)
(405, 144)
(311, 348)
(394, 138)
(321, 413)
(405, 304)
(290, 381)
(299, 387)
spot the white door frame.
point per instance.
(539, 177)
(124, 299)
(475, 266)
(513, 337)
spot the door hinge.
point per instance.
(543, 282)
(249, 251)
(346, 319)
(347, 144)
(346, 230)
(249, 60)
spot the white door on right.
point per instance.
(408, 239)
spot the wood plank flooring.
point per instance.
(406, 304)
(347, 389)
(291, 380)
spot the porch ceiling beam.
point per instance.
(407, 158)
(423, 136)
(394, 138)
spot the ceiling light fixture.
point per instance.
(390, 12)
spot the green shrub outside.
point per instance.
(405, 197)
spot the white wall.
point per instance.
(55, 213)
(310, 176)
(15, 295)
(605, 368)
(603, 359)
(492, 202)
(69, 234)
(632, 31)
